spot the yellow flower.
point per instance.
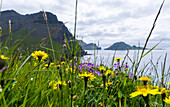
(167, 100)
(168, 83)
(35, 64)
(108, 83)
(101, 68)
(88, 75)
(66, 69)
(157, 87)
(3, 57)
(61, 83)
(62, 63)
(153, 89)
(109, 72)
(144, 79)
(163, 90)
(53, 85)
(72, 70)
(118, 59)
(39, 55)
(144, 92)
(86, 62)
(58, 66)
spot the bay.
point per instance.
(155, 59)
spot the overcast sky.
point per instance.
(106, 21)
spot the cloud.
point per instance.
(107, 21)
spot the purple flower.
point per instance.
(131, 75)
(92, 65)
(97, 72)
(116, 65)
(80, 69)
(90, 70)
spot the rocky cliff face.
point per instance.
(34, 22)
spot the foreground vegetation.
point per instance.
(35, 81)
(48, 78)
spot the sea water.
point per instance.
(154, 60)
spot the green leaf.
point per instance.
(151, 49)
(25, 99)
(68, 46)
(119, 94)
(22, 65)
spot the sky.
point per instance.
(106, 21)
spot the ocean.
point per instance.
(155, 59)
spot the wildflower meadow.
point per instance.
(47, 78)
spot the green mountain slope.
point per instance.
(23, 24)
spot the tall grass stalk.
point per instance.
(46, 20)
(73, 52)
(163, 69)
(153, 26)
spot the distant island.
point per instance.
(90, 46)
(122, 46)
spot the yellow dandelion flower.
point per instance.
(62, 63)
(86, 62)
(163, 90)
(35, 64)
(144, 92)
(157, 87)
(50, 66)
(101, 68)
(109, 72)
(144, 79)
(167, 100)
(39, 55)
(118, 59)
(87, 75)
(72, 70)
(66, 69)
(3, 57)
(53, 85)
(61, 83)
(46, 65)
(44, 68)
(168, 83)
(108, 83)
(58, 66)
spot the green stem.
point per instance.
(125, 100)
(119, 102)
(73, 53)
(50, 39)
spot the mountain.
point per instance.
(90, 46)
(23, 24)
(122, 46)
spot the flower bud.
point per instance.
(9, 26)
